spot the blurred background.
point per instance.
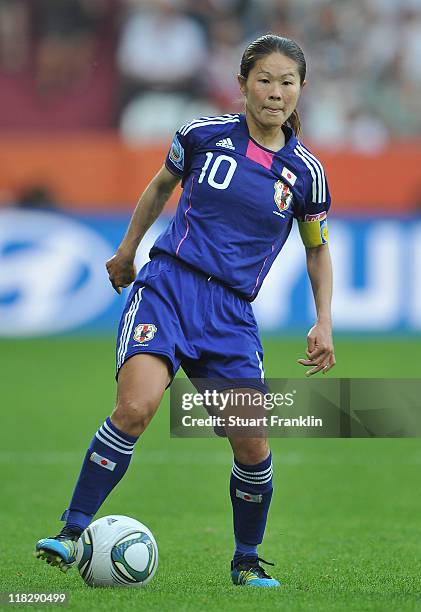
(92, 92)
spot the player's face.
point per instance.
(272, 90)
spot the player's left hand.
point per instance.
(320, 351)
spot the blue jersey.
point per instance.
(239, 200)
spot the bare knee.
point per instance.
(250, 451)
(133, 415)
(141, 384)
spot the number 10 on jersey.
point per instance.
(232, 165)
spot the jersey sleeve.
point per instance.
(178, 158)
(312, 216)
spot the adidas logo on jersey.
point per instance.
(226, 143)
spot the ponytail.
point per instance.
(295, 123)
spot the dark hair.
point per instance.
(270, 43)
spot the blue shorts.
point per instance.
(194, 321)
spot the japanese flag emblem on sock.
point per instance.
(102, 461)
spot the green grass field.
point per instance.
(345, 523)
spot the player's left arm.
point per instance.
(320, 351)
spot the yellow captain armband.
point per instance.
(313, 232)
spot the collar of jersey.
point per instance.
(290, 139)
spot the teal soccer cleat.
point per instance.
(248, 572)
(59, 550)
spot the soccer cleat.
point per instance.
(248, 572)
(59, 550)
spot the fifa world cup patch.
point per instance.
(176, 154)
(144, 332)
(283, 195)
(102, 461)
(257, 499)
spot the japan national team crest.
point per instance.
(144, 332)
(283, 195)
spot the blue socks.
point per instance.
(108, 458)
(251, 493)
(105, 464)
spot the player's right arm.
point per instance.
(121, 268)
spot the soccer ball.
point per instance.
(117, 551)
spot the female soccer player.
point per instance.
(245, 177)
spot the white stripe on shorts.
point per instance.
(124, 330)
(128, 327)
(262, 372)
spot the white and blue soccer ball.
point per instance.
(115, 551)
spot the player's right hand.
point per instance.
(121, 271)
